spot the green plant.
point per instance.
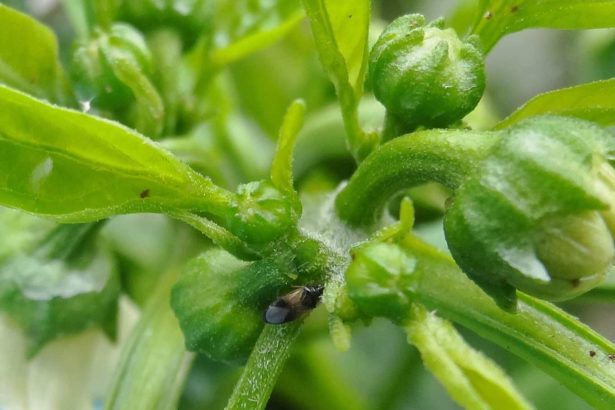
(187, 111)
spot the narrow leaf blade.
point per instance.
(496, 18)
(592, 101)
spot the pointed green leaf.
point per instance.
(29, 57)
(496, 18)
(592, 101)
(77, 168)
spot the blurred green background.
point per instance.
(380, 371)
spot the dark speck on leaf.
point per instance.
(592, 353)
(575, 283)
(514, 9)
(144, 193)
(350, 16)
(612, 357)
(488, 15)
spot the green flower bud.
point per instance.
(377, 278)
(219, 302)
(95, 65)
(424, 74)
(536, 214)
(261, 213)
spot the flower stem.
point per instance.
(264, 366)
(444, 156)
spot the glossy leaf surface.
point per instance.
(496, 18)
(75, 167)
(592, 101)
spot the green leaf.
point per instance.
(496, 18)
(592, 101)
(77, 168)
(29, 57)
(349, 23)
(50, 293)
(340, 29)
(471, 378)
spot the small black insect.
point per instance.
(294, 304)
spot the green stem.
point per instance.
(264, 366)
(539, 332)
(444, 156)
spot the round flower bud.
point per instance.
(424, 74)
(377, 278)
(535, 215)
(261, 213)
(96, 64)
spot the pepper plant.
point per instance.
(272, 146)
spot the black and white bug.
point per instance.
(294, 304)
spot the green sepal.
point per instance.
(219, 302)
(66, 284)
(540, 183)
